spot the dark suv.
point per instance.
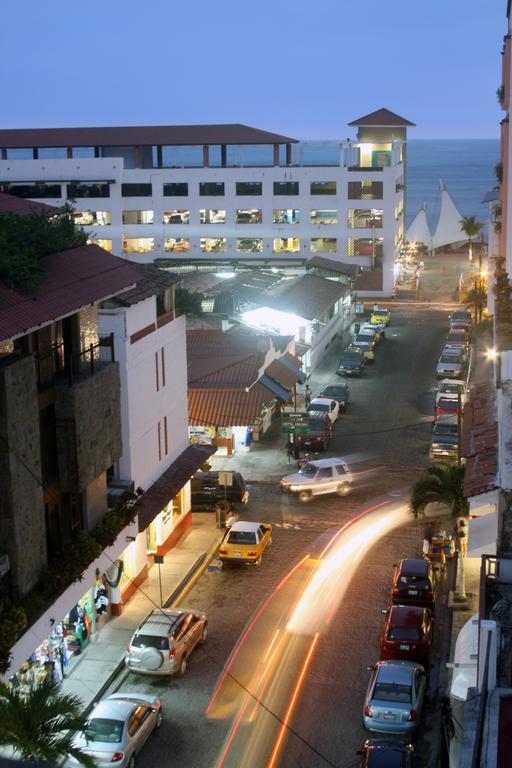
(413, 584)
(319, 431)
(207, 492)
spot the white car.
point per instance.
(325, 405)
(449, 390)
(452, 364)
(318, 477)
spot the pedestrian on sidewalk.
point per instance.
(307, 395)
(462, 535)
(428, 533)
(290, 448)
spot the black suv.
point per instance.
(207, 492)
(413, 584)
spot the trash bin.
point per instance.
(356, 328)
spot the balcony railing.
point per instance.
(58, 367)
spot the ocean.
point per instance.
(465, 165)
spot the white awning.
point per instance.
(418, 230)
(466, 650)
(448, 230)
(483, 524)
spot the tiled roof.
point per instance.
(381, 117)
(73, 279)
(479, 441)
(13, 204)
(170, 482)
(333, 265)
(282, 374)
(150, 282)
(309, 296)
(143, 135)
(226, 372)
(227, 407)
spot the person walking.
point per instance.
(307, 395)
(428, 533)
(462, 535)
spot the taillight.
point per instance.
(429, 594)
(130, 648)
(412, 715)
(172, 652)
(223, 551)
(368, 711)
(116, 757)
(252, 553)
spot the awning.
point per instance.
(171, 482)
(279, 391)
(284, 373)
(466, 650)
(294, 364)
(483, 530)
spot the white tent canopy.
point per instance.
(448, 230)
(418, 230)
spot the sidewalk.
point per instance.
(103, 657)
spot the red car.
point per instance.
(407, 634)
(446, 407)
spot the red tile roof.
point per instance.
(13, 204)
(226, 372)
(227, 407)
(282, 374)
(381, 117)
(479, 441)
(73, 279)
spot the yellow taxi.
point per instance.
(380, 315)
(245, 543)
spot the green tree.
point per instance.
(188, 303)
(471, 227)
(440, 485)
(476, 299)
(42, 725)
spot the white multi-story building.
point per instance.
(223, 193)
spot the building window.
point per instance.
(324, 217)
(40, 191)
(176, 189)
(105, 244)
(92, 218)
(323, 244)
(176, 217)
(213, 244)
(83, 152)
(286, 244)
(365, 218)
(162, 351)
(159, 442)
(136, 190)
(323, 187)
(249, 188)
(248, 216)
(176, 245)
(52, 153)
(138, 244)
(365, 190)
(163, 307)
(166, 441)
(212, 216)
(20, 154)
(286, 187)
(138, 217)
(182, 156)
(285, 216)
(88, 189)
(211, 188)
(249, 245)
(364, 246)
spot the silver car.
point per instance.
(394, 697)
(162, 643)
(118, 728)
(319, 477)
(451, 364)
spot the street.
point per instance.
(385, 435)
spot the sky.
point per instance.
(302, 69)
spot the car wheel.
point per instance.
(343, 489)
(258, 561)
(204, 634)
(159, 718)
(131, 762)
(305, 496)
(183, 666)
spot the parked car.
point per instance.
(368, 333)
(450, 389)
(395, 697)
(380, 315)
(117, 729)
(339, 392)
(461, 318)
(318, 477)
(362, 343)
(451, 364)
(164, 640)
(413, 584)
(378, 328)
(245, 543)
(407, 634)
(445, 439)
(206, 492)
(457, 348)
(386, 753)
(459, 336)
(325, 405)
(319, 432)
(446, 406)
(352, 362)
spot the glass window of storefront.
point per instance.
(286, 187)
(138, 217)
(176, 216)
(285, 216)
(323, 187)
(365, 218)
(248, 216)
(324, 217)
(213, 244)
(211, 188)
(323, 244)
(176, 189)
(90, 218)
(249, 188)
(212, 216)
(176, 245)
(249, 244)
(288, 244)
(138, 244)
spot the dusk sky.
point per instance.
(298, 68)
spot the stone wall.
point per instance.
(22, 521)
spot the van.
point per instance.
(206, 491)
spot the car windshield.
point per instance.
(242, 537)
(447, 405)
(392, 692)
(461, 314)
(351, 357)
(334, 392)
(382, 312)
(323, 407)
(151, 641)
(451, 389)
(316, 425)
(404, 633)
(308, 470)
(450, 358)
(103, 729)
(445, 429)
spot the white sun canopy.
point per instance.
(448, 230)
(418, 230)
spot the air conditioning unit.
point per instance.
(5, 566)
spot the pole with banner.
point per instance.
(159, 559)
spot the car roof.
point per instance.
(335, 387)
(160, 620)
(244, 525)
(327, 462)
(118, 709)
(400, 672)
(452, 381)
(452, 402)
(318, 415)
(406, 615)
(320, 401)
(413, 567)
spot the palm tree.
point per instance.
(440, 485)
(42, 726)
(471, 227)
